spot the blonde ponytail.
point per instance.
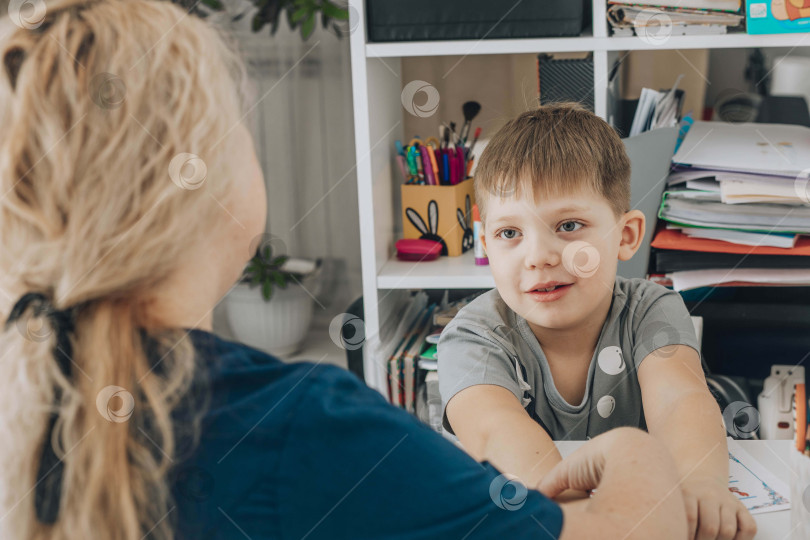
(95, 102)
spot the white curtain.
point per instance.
(304, 131)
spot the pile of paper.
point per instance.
(735, 207)
(659, 19)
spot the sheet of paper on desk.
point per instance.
(756, 487)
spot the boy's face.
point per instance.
(571, 242)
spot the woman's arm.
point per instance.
(356, 467)
(638, 496)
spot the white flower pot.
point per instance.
(277, 327)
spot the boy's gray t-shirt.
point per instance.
(488, 343)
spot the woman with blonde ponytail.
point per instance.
(98, 101)
(130, 201)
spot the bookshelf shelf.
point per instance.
(377, 83)
(443, 273)
(586, 42)
(723, 41)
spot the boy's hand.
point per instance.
(714, 513)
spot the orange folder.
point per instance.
(671, 239)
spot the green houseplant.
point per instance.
(300, 13)
(277, 327)
(265, 270)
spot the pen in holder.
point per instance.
(440, 213)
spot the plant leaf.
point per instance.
(298, 14)
(267, 290)
(308, 27)
(335, 12)
(213, 4)
(257, 23)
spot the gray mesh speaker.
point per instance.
(565, 80)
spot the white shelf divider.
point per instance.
(444, 273)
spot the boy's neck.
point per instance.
(578, 340)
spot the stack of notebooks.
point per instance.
(662, 18)
(735, 208)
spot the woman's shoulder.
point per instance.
(241, 373)
(256, 411)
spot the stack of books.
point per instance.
(659, 19)
(735, 208)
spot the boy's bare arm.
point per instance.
(681, 412)
(492, 426)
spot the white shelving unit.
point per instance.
(583, 43)
(378, 122)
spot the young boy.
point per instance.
(564, 348)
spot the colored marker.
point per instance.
(481, 258)
(403, 168)
(428, 168)
(419, 171)
(436, 172)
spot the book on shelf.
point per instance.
(678, 30)
(657, 109)
(402, 364)
(715, 5)
(666, 238)
(743, 238)
(660, 22)
(761, 217)
(766, 149)
(666, 261)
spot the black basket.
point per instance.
(426, 20)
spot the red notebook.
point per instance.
(671, 239)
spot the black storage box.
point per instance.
(427, 20)
(565, 79)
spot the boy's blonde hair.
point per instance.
(552, 150)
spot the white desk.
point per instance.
(774, 456)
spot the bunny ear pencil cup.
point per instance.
(438, 213)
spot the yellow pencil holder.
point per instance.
(440, 213)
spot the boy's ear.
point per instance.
(633, 226)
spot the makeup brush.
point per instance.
(475, 139)
(471, 110)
